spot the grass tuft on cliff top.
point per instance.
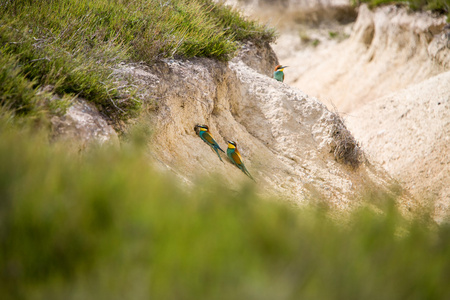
(441, 6)
(70, 48)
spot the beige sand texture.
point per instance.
(408, 133)
(287, 139)
(388, 50)
(389, 79)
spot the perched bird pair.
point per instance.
(278, 74)
(232, 151)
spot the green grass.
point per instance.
(441, 6)
(16, 91)
(103, 224)
(73, 46)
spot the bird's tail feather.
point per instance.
(216, 146)
(218, 154)
(246, 172)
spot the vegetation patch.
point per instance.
(105, 225)
(74, 46)
(345, 148)
(441, 6)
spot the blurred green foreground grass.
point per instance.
(104, 224)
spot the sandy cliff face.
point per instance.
(287, 138)
(388, 49)
(408, 133)
(390, 77)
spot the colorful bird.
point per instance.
(278, 74)
(236, 159)
(206, 136)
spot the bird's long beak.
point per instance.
(284, 67)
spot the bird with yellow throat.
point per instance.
(278, 74)
(206, 136)
(236, 158)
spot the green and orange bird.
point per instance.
(278, 74)
(206, 136)
(236, 159)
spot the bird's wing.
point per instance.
(212, 141)
(236, 157)
(208, 137)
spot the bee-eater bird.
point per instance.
(278, 74)
(236, 159)
(206, 136)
